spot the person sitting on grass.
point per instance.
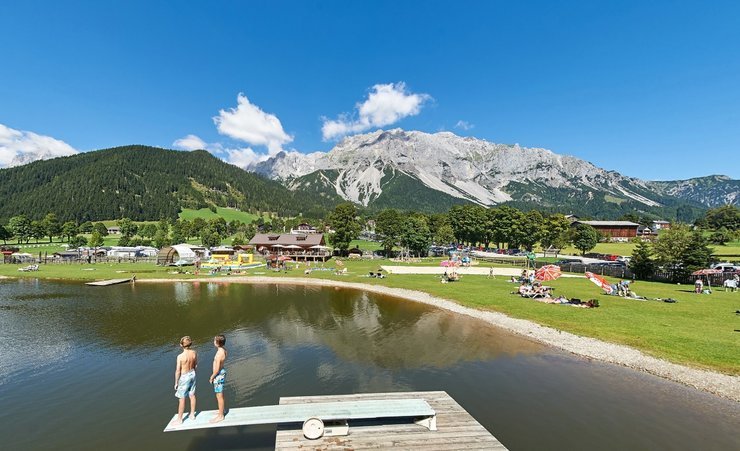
(698, 286)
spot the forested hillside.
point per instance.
(143, 183)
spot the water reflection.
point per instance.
(353, 325)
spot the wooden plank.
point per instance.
(456, 428)
(105, 283)
(298, 413)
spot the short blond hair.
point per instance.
(186, 341)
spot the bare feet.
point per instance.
(192, 415)
(216, 419)
(177, 422)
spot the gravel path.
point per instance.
(473, 270)
(713, 382)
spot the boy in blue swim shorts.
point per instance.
(218, 377)
(185, 366)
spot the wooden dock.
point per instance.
(106, 283)
(456, 428)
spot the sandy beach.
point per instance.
(720, 384)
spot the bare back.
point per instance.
(219, 359)
(187, 361)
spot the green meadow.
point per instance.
(229, 214)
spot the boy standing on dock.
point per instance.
(185, 366)
(218, 377)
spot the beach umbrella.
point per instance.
(600, 281)
(548, 272)
(706, 272)
(277, 245)
(292, 246)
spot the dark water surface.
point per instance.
(88, 368)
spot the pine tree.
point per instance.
(697, 254)
(642, 264)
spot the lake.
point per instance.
(91, 368)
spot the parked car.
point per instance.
(726, 267)
(568, 261)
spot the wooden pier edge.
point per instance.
(456, 428)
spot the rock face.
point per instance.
(711, 191)
(367, 169)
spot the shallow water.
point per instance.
(92, 368)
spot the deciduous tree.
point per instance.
(415, 235)
(345, 225)
(127, 226)
(96, 239)
(20, 227)
(584, 237)
(70, 229)
(388, 225)
(52, 226)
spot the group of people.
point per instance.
(451, 276)
(185, 367)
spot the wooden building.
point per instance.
(309, 246)
(616, 230)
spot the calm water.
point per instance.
(92, 368)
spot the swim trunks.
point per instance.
(186, 385)
(218, 381)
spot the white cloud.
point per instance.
(464, 125)
(385, 105)
(190, 142)
(248, 123)
(244, 157)
(19, 147)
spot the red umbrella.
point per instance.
(704, 272)
(548, 272)
(707, 272)
(600, 281)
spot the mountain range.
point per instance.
(411, 169)
(408, 170)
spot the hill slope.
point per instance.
(143, 183)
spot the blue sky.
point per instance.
(650, 89)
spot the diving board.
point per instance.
(418, 409)
(105, 283)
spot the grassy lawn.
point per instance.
(731, 249)
(365, 245)
(699, 330)
(229, 214)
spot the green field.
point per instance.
(365, 245)
(229, 214)
(699, 330)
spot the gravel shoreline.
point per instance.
(720, 384)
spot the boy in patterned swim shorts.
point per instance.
(185, 366)
(218, 377)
